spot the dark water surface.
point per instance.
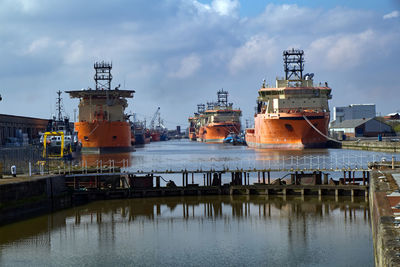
(195, 231)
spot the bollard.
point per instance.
(392, 162)
(14, 171)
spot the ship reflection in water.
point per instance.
(224, 230)
(104, 160)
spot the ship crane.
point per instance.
(157, 113)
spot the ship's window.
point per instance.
(86, 138)
(114, 137)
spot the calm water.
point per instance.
(200, 231)
(189, 155)
(195, 231)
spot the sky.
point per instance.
(178, 53)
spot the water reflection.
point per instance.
(222, 227)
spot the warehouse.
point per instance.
(361, 128)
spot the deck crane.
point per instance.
(157, 113)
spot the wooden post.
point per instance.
(263, 174)
(183, 179)
(245, 176)
(220, 178)
(344, 177)
(258, 176)
(269, 177)
(363, 177)
(158, 181)
(187, 178)
(204, 179)
(192, 177)
(233, 175)
(248, 178)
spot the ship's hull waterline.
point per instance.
(104, 136)
(217, 132)
(290, 132)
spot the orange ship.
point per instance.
(219, 120)
(103, 125)
(295, 113)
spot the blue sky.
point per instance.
(179, 53)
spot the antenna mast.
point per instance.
(222, 98)
(59, 107)
(103, 75)
(293, 63)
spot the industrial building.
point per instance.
(16, 130)
(361, 128)
(353, 111)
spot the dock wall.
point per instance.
(385, 234)
(384, 146)
(25, 199)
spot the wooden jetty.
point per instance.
(107, 185)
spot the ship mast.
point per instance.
(103, 75)
(222, 98)
(201, 108)
(293, 62)
(59, 107)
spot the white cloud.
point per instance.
(38, 45)
(343, 51)
(258, 50)
(221, 7)
(225, 7)
(188, 66)
(391, 15)
(75, 53)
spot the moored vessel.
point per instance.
(103, 126)
(219, 120)
(293, 114)
(194, 122)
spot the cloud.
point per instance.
(259, 50)
(186, 48)
(392, 15)
(188, 66)
(221, 7)
(349, 50)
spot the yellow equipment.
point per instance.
(56, 155)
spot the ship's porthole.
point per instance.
(289, 127)
(114, 137)
(86, 138)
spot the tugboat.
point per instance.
(59, 140)
(294, 113)
(103, 126)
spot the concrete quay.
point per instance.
(372, 145)
(385, 213)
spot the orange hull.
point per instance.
(217, 132)
(104, 135)
(288, 131)
(192, 136)
(155, 137)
